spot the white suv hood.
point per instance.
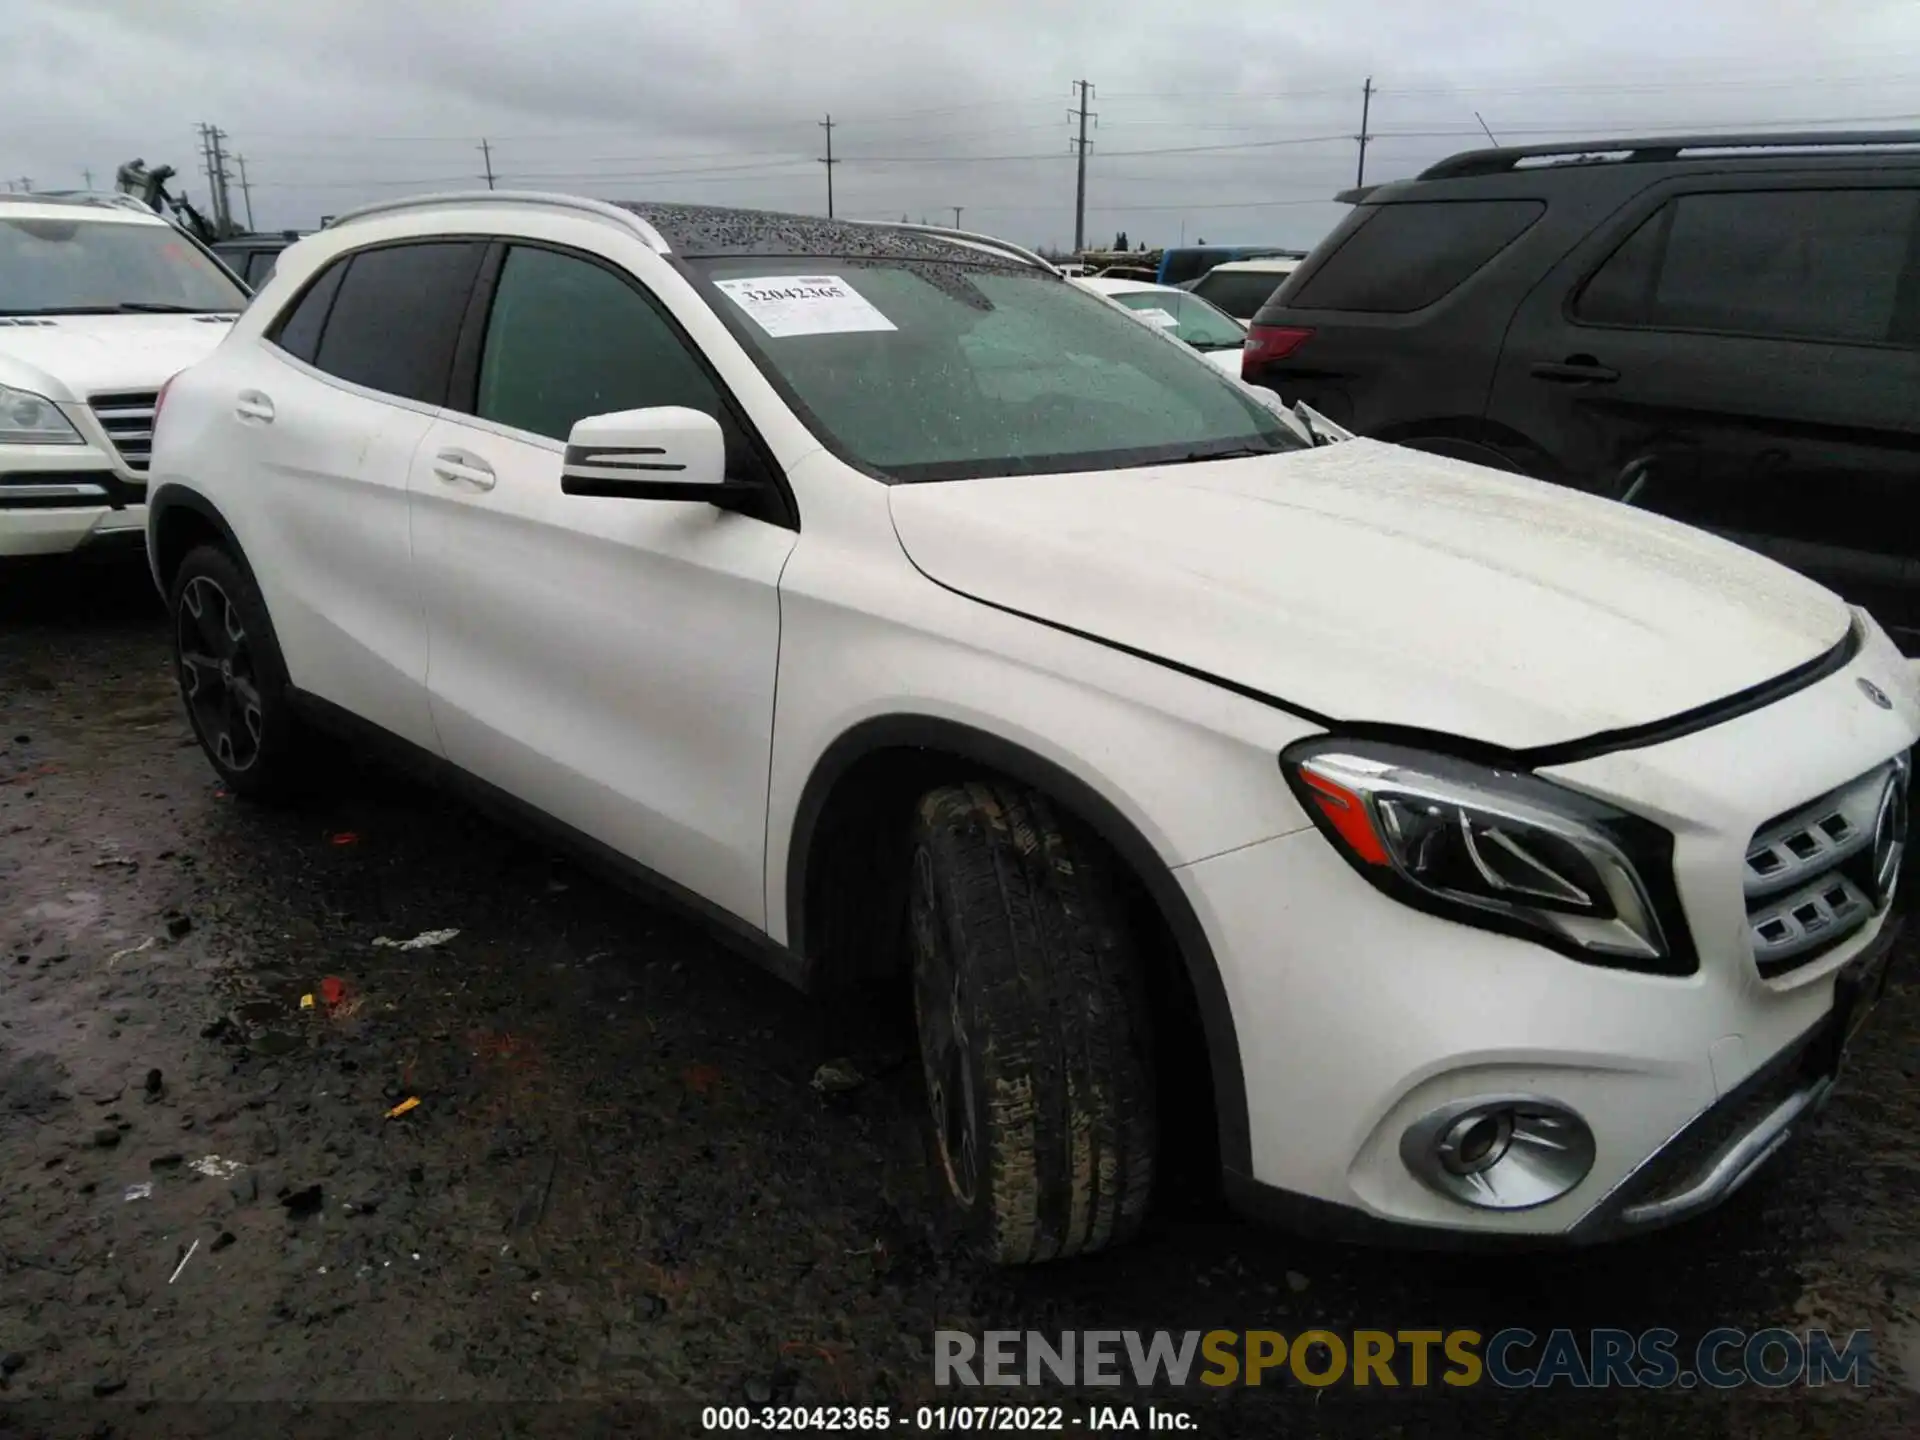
(80, 355)
(1367, 582)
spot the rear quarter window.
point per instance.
(1407, 256)
(394, 323)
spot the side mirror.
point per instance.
(665, 452)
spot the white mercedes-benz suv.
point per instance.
(1481, 859)
(101, 301)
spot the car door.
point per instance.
(610, 662)
(1743, 359)
(329, 419)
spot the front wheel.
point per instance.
(233, 679)
(1033, 1035)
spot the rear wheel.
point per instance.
(1033, 1037)
(233, 679)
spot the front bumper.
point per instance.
(57, 499)
(1359, 1019)
(1700, 1167)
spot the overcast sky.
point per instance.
(1251, 106)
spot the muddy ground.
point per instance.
(619, 1187)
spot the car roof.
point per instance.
(88, 205)
(1641, 160)
(714, 231)
(1272, 264)
(1112, 285)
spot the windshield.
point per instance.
(1240, 293)
(86, 266)
(925, 370)
(1186, 317)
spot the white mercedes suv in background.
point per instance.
(1479, 857)
(101, 301)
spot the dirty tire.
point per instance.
(233, 680)
(1033, 1033)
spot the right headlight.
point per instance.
(1498, 848)
(30, 419)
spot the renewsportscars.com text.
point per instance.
(1512, 1358)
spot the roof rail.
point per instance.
(1658, 148)
(1005, 247)
(625, 218)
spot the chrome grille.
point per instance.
(128, 421)
(1817, 874)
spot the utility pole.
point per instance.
(246, 190)
(956, 215)
(217, 177)
(1366, 109)
(87, 175)
(829, 161)
(221, 177)
(206, 155)
(1080, 169)
(486, 152)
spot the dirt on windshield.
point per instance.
(374, 1101)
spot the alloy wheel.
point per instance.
(217, 673)
(940, 1007)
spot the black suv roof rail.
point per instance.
(1662, 147)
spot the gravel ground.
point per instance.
(619, 1187)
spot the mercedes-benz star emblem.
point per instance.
(1874, 693)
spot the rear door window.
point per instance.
(1836, 265)
(397, 317)
(1405, 257)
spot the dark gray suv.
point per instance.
(1723, 329)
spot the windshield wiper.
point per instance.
(1239, 452)
(165, 307)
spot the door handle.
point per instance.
(457, 467)
(252, 405)
(1576, 370)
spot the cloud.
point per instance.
(1234, 122)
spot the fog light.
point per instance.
(1500, 1152)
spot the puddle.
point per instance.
(259, 1012)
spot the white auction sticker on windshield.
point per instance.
(784, 305)
(1158, 317)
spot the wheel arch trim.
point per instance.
(926, 732)
(172, 496)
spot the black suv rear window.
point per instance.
(1404, 257)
